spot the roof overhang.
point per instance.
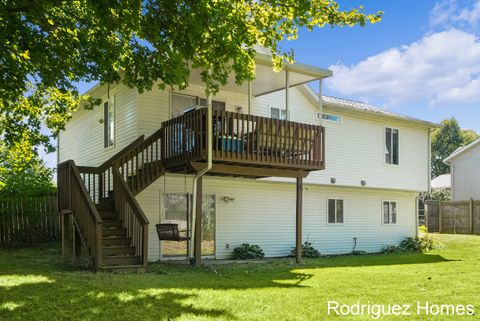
(267, 80)
(313, 95)
(461, 151)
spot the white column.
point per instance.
(287, 93)
(249, 97)
(320, 100)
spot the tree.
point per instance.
(20, 177)
(445, 140)
(47, 46)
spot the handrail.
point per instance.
(109, 162)
(129, 195)
(74, 197)
(131, 214)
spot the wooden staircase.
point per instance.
(98, 206)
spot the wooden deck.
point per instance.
(242, 141)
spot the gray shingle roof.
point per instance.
(361, 106)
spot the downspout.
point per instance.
(320, 101)
(416, 214)
(206, 169)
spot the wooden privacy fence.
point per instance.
(460, 217)
(29, 220)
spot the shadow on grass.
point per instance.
(36, 285)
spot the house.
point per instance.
(268, 163)
(441, 182)
(465, 172)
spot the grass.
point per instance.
(35, 285)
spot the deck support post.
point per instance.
(68, 237)
(197, 251)
(298, 232)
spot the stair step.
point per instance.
(116, 240)
(112, 223)
(114, 231)
(121, 260)
(108, 215)
(105, 206)
(118, 250)
(124, 268)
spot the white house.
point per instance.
(286, 168)
(442, 182)
(465, 172)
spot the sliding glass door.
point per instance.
(176, 209)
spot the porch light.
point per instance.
(333, 180)
(363, 182)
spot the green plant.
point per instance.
(308, 251)
(248, 251)
(411, 244)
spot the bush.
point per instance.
(308, 251)
(412, 244)
(248, 251)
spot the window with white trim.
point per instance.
(108, 124)
(335, 211)
(277, 113)
(389, 212)
(391, 146)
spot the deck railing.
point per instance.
(242, 138)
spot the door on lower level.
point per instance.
(176, 209)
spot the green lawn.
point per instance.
(34, 285)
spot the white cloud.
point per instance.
(441, 67)
(447, 13)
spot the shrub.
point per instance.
(248, 251)
(412, 244)
(308, 251)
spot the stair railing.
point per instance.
(131, 214)
(142, 165)
(74, 197)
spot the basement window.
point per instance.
(335, 211)
(389, 212)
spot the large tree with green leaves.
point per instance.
(47, 46)
(445, 140)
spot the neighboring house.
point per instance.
(442, 182)
(465, 172)
(358, 170)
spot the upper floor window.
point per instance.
(332, 118)
(108, 124)
(181, 103)
(391, 146)
(335, 211)
(389, 212)
(277, 113)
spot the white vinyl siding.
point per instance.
(247, 219)
(465, 172)
(83, 139)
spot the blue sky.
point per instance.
(422, 59)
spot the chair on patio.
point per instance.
(170, 232)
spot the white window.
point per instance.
(108, 123)
(389, 212)
(335, 211)
(277, 113)
(181, 103)
(332, 118)
(391, 146)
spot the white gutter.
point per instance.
(209, 163)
